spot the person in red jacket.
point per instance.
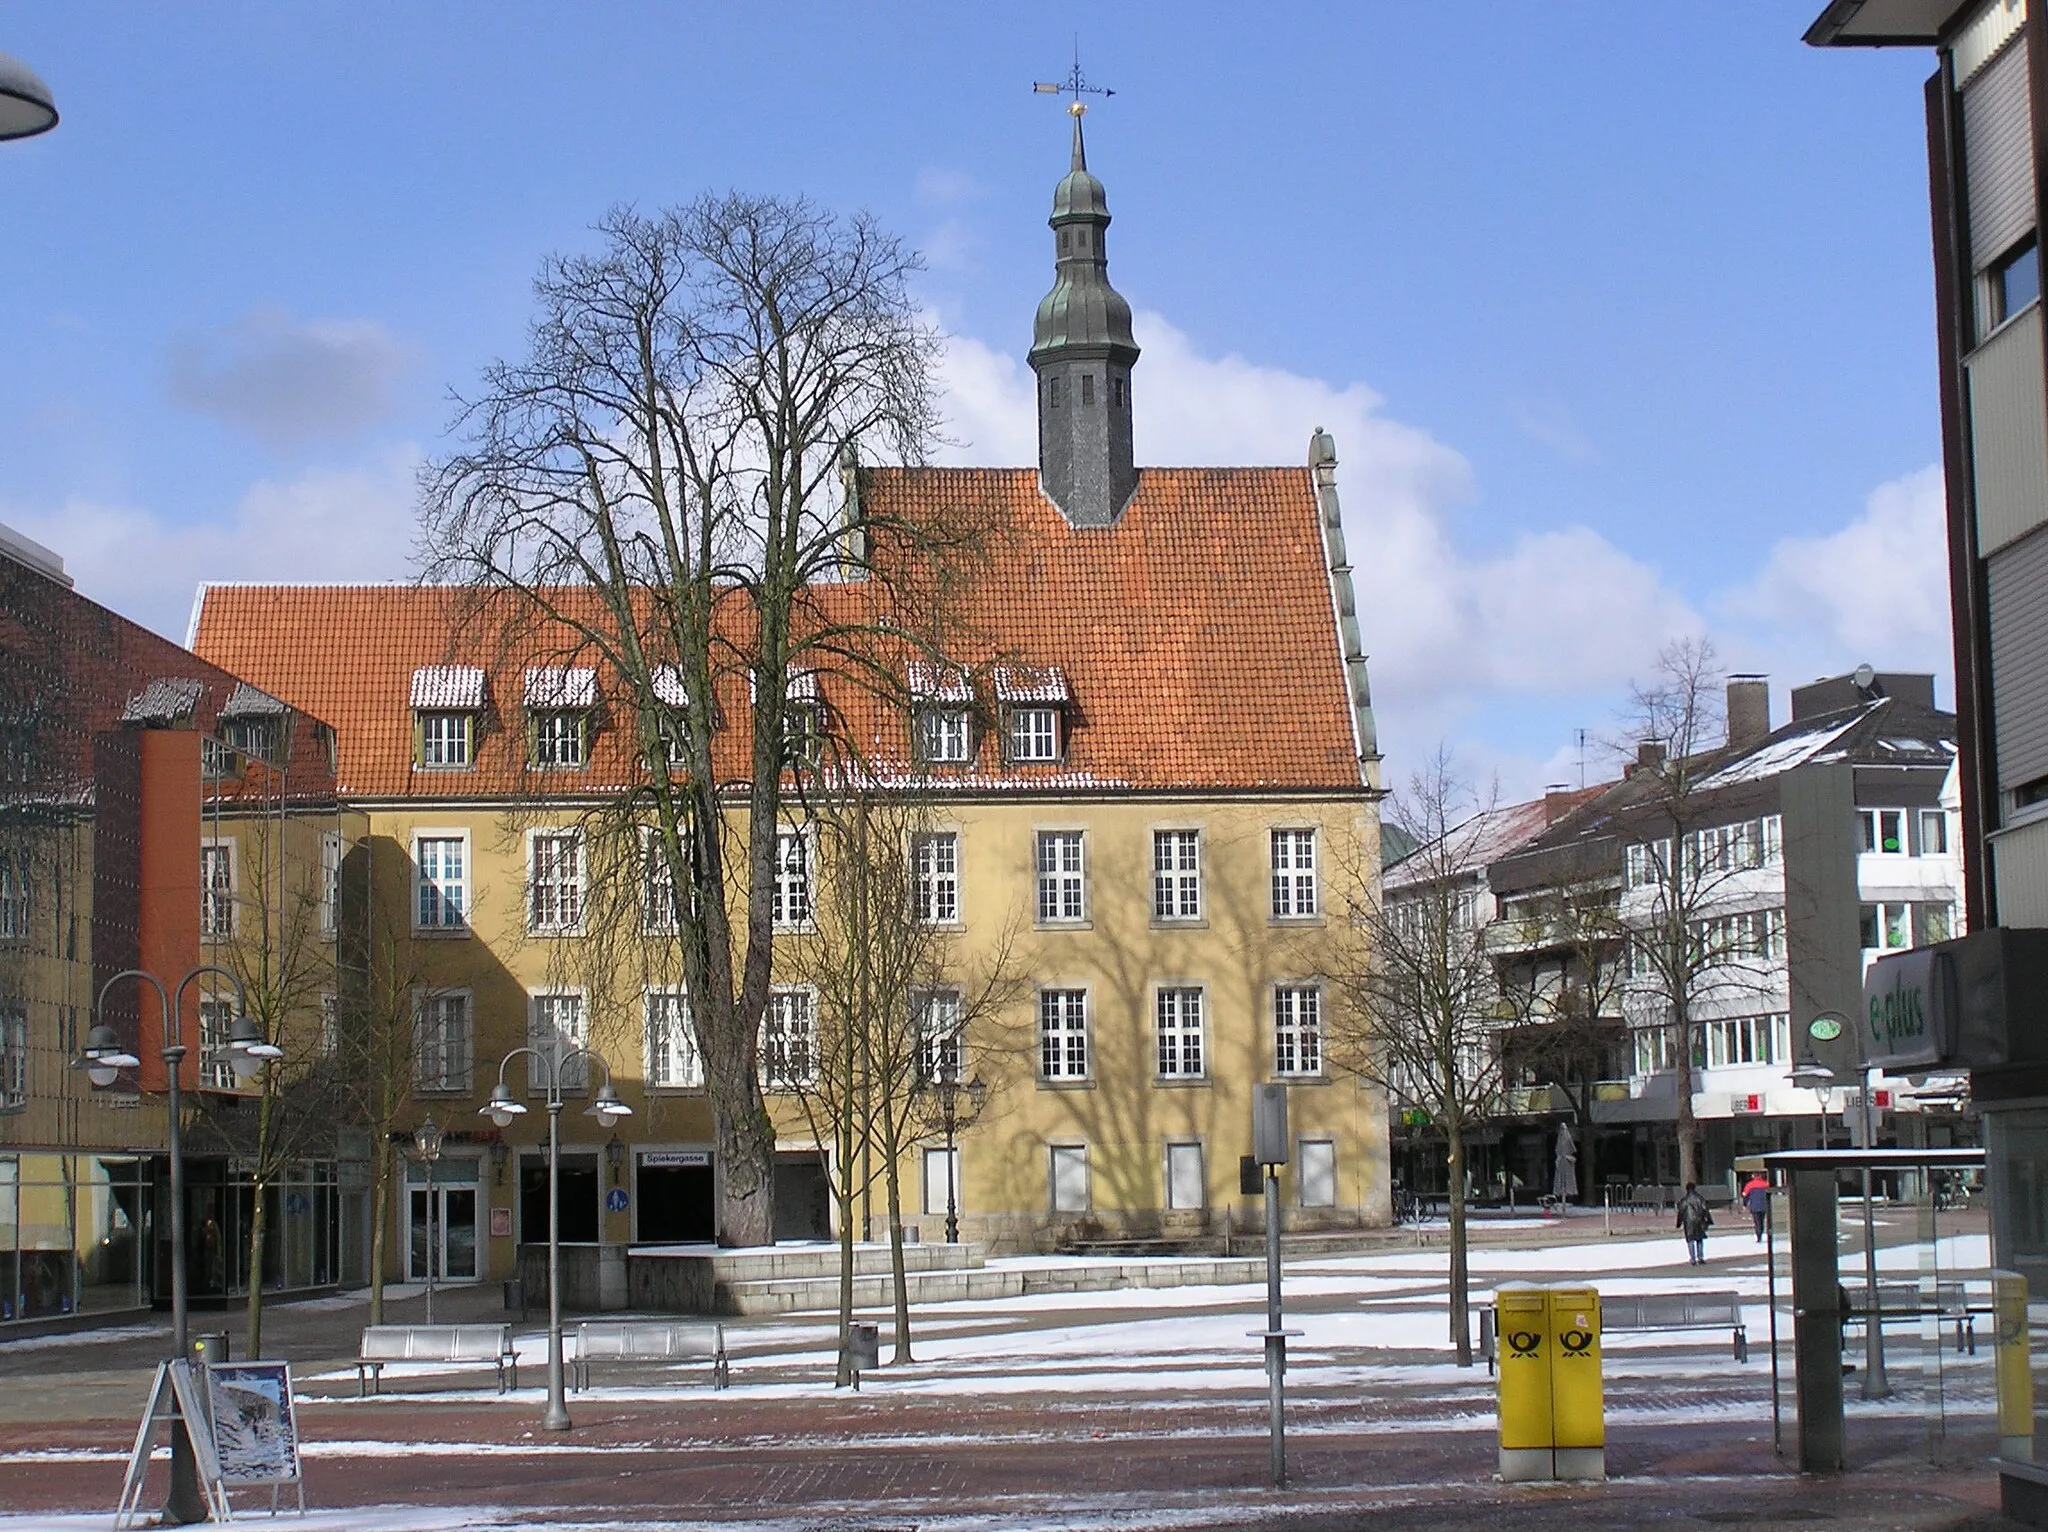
(1756, 1196)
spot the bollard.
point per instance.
(2015, 1377)
(1523, 1387)
(1578, 1416)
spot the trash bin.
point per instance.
(211, 1347)
(2015, 1381)
(515, 1297)
(863, 1349)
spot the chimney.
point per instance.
(1649, 757)
(1749, 710)
(1557, 801)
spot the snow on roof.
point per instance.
(448, 686)
(168, 699)
(938, 683)
(252, 702)
(1780, 755)
(1029, 683)
(1476, 842)
(554, 686)
(669, 687)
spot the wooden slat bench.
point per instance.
(1677, 1311)
(643, 1340)
(450, 1344)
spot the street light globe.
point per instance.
(103, 1058)
(26, 105)
(503, 1106)
(607, 1107)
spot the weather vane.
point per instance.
(1075, 85)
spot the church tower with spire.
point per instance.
(1082, 353)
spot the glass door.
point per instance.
(454, 1235)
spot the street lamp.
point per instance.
(426, 1143)
(503, 1106)
(1827, 1027)
(26, 105)
(952, 1120)
(103, 1058)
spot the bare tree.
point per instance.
(653, 487)
(1423, 1017)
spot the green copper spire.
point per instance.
(1082, 352)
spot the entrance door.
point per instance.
(676, 1204)
(454, 1234)
(803, 1197)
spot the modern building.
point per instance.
(136, 781)
(1152, 779)
(1789, 860)
(1987, 137)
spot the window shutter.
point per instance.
(1998, 160)
(2018, 581)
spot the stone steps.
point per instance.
(795, 1295)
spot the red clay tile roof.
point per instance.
(1197, 638)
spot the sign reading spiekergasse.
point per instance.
(1909, 1009)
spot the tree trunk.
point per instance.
(380, 1218)
(1461, 1316)
(252, 1342)
(896, 1269)
(842, 1193)
(746, 1157)
(1687, 1126)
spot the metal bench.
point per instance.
(1909, 1300)
(1677, 1311)
(453, 1344)
(624, 1340)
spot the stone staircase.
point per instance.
(790, 1279)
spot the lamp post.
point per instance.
(1827, 1027)
(103, 1058)
(426, 1142)
(503, 1106)
(953, 1120)
(26, 105)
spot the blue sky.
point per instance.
(1622, 316)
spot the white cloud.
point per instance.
(1875, 590)
(1451, 631)
(287, 382)
(323, 524)
(1550, 423)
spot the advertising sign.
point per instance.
(255, 1433)
(1909, 1010)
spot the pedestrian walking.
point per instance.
(1756, 1196)
(1694, 1219)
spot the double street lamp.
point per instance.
(948, 1088)
(103, 1058)
(545, 1068)
(1828, 1027)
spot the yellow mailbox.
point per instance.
(1522, 1311)
(2015, 1372)
(1578, 1415)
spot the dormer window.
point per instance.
(1034, 704)
(558, 706)
(252, 724)
(803, 719)
(446, 703)
(942, 715)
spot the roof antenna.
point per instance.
(1075, 85)
(1582, 760)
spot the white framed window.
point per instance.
(1187, 1189)
(660, 911)
(1062, 876)
(252, 735)
(447, 741)
(944, 734)
(1063, 1034)
(792, 894)
(942, 1181)
(556, 740)
(1887, 927)
(440, 881)
(554, 880)
(941, 1047)
(1884, 831)
(803, 733)
(13, 1058)
(1294, 874)
(673, 1061)
(442, 1040)
(1654, 1050)
(789, 1040)
(330, 1024)
(935, 877)
(15, 909)
(1647, 864)
(216, 890)
(1315, 1176)
(1180, 1033)
(1733, 1041)
(1940, 921)
(1033, 734)
(1297, 1029)
(330, 886)
(557, 1024)
(1933, 832)
(1748, 936)
(1069, 1177)
(216, 1033)
(1176, 875)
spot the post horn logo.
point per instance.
(1524, 1342)
(1577, 1342)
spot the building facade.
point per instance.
(1150, 800)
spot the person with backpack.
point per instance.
(1756, 1196)
(1694, 1219)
